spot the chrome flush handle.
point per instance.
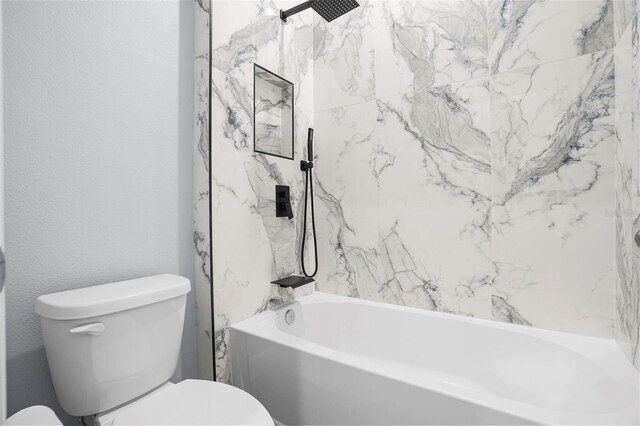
(94, 329)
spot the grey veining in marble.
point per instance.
(436, 160)
(624, 12)
(397, 169)
(201, 166)
(561, 146)
(402, 284)
(421, 44)
(344, 59)
(466, 161)
(501, 310)
(252, 246)
(524, 33)
(553, 147)
(442, 160)
(346, 220)
(627, 318)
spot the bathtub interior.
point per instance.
(543, 374)
(508, 361)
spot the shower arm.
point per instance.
(284, 14)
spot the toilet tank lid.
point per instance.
(106, 299)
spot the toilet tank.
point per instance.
(109, 344)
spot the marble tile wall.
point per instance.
(201, 235)
(466, 161)
(251, 246)
(466, 155)
(627, 57)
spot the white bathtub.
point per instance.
(348, 361)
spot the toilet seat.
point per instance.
(36, 415)
(195, 402)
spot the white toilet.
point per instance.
(112, 349)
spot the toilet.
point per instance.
(112, 349)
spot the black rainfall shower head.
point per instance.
(332, 9)
(328, 9)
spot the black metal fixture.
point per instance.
(328, 9)
(307, 168)
(283, 202)
(293, 282)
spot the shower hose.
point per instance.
(308, 186)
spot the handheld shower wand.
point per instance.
(310, 147)
(307, 168)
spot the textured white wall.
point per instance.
(98, 113)
(3, 346)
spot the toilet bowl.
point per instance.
(191, 402)
(112, 349)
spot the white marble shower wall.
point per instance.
(627, 57)
(201, 220)
(466, 155)
(466, 160)
(251, 246)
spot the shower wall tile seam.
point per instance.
(426, 88)
(405, 93)
(555, 61)
(351, 105)
(472, 80)
(620, 12)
